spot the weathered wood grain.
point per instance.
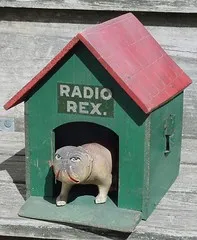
(12, 198)
(16, 149)
(10, 137)
(16, 158)
(94, 17)
(5, 176)
(189, 151)
(181, 224)
(14, 171)
(121, 5)
(11, 144)
(187, 179)
(26, 47)
(179, 200)
(19, 227)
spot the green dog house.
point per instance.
(112, 84)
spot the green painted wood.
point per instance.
(162, 168)
(128, 123)
(83, 211)
(27, 153)
(142, 171)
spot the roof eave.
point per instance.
(21, 94)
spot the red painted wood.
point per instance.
(133, 58)
(136, 61)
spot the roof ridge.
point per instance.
(128, 56)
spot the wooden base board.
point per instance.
(82, 211)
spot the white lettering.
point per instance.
(82, 107)
(96, 93)
(103, 94)
(71, 106)
(95, 108)
(76, 92)
(64, 90)
(83, 99)
(88, 92)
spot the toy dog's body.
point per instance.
(87, 164)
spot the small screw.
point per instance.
(7, 123)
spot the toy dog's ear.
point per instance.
(86, 152)
(50, 163)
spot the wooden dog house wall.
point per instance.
(136, 93)
(40, 127)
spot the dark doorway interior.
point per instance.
(78, 133)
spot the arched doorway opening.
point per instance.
(79, 133)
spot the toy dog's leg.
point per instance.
(103, 190)
(63, 197)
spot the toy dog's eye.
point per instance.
(58, 157)
(75, 159)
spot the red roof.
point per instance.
(131, 56)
